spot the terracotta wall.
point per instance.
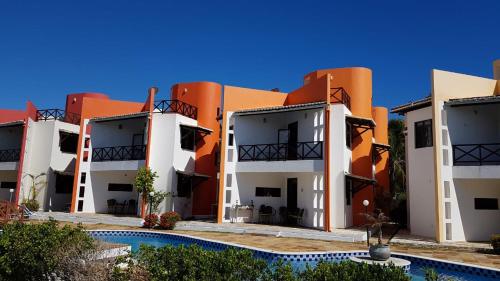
(206, 96)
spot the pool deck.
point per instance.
(286, 239)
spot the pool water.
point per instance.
(298, 260)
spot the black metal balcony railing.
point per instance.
(10, 155)
(340, 95)
(164, 106)
(58, 114)
(476, 154)
(119, 153)
(281, 152)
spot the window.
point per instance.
(348, 189)
(183, 186)
(8, 184)
(229, 180)
(83, 177)
(64, 184)
(120, 187)
(268, 192)
(80, 205)
(231, 139)
(486, 203)
(68, 142)
(423, 133)
(82, 191)
(187, 138)
(348, 135)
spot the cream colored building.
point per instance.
(453, 157)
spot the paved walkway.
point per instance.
(346, 235)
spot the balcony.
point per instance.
(176, 106)
(281, 151)
(476, 154)
(119, 153)
(476, 161)
(340, 95)
(58, 114)
(10, 155)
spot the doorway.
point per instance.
(293, 129)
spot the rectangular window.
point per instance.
(486, 203)
(348, 190)
(120, 187)
(447, 210)
(423, 133)
(187, 138)
(64, 184)
(8, 184)
(83, 177)
(82, 191)
(68, 142)
(183, 186)
(268, 192)
(348, 135)
(87, 143)
(231, 140)
(446, 189)
(229, 180)
(228, 196)
(448, 231)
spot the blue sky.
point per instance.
(51, 48)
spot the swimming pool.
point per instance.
(298, 260)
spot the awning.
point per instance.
(120, 117)
(359, 182)
(200, 132)
(12, 123)
(196, 178)
(473, 101)
(360, 121)
(378, 149)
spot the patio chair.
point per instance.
(266, 214)
(132, 206)
(111, 206)
(296, 216)
(283, 213)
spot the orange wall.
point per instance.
(315, 91)
(7, 115)
(381, 116)
(74, 102)
(206, 96)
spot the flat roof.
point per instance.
(414, 105)
(120, 117)
(283, 108)
(473, 101)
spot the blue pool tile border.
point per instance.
(310, 257)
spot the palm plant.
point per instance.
(397, 168)
(37, 185)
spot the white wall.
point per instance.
(474, 124)
(43, 155)
(11, 137)
(97, 194)
(420, 164)
(167, 156)
(340, 163)
(468, 223)
(106, 134)
(310, 195)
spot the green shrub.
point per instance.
(495, 243)
(195, 263)
(150, 221)
(32, 205)
(168, 220)
(36, 251)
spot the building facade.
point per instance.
(452, 158)
(315, 153)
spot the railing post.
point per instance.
(480, 155)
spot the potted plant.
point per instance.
(379, 251)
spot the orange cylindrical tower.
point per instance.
(206, 96)
(381, 134)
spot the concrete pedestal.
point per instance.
(395, 261)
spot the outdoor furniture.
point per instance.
(120, 207)
(283, 213)
(236, 208)
(295, 216)
(111, 206)
(132, 206)
(266, 214)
